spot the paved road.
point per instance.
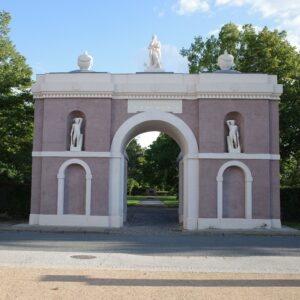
(153, 231)
(153, 216)
(152, 240)
(178, 244)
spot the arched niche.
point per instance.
(247, 187)
(61, 185)
(74, 190)
(70, 118)
(234, 193)
(239, 119)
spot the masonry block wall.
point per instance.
(218, 189)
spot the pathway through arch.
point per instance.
(151, 215)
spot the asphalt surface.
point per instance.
(164, 244)
(152, 239)
(153, 231)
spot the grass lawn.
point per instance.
(170, 201)
(133, 200)
(295, 225)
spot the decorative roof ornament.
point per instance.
(226, 61)
(154, 49)
(85, 62)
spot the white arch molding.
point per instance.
(248, 187)
(61, 185)
(183, 135)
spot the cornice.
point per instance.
(157, 86)
(155, 96)
(70, 94)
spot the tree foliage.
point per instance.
(160, 169)
(153, 167)
(263, 51)
(136, 161)
(16, 109)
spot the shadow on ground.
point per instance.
(173, 282)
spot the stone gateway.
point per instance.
(226, 124)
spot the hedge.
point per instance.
(290, 204)
(15, 199)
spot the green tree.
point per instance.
(16, 109)
(268, 52)
(160, 169)
(136, 161)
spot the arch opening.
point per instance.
(182, 135)
(152, 186)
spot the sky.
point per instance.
(52, 33)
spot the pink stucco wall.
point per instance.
(51, 123)
(44, 188)
(265, 204)
(260, 132)
(204, 117)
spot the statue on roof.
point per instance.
(154, 54)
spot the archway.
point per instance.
(183, 135)
(153, 172)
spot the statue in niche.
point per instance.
(76, 135)
(233, 142)
(154, 53)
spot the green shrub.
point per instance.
(15, 199)
(290, 204)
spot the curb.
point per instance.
(285, 231)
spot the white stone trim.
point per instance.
(248, 188)
(70, 94)
(169, 96)
(157, 86)
(70, 154)
(266, 156)
(69, 220)
(138, 105)
(231, 223)
(176, 128)
(184, 133)
(61, 185)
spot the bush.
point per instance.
(15, 199)
(290, 204)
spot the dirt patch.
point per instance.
(47, 283)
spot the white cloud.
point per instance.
(232, 2)
(147, 138)
(186, 7)
(285, 14)
(160, 11)
(171, 59)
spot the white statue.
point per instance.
(76, 135)
(154, 54)
(233, 142)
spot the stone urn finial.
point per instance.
(225, 61)
(85, 62)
